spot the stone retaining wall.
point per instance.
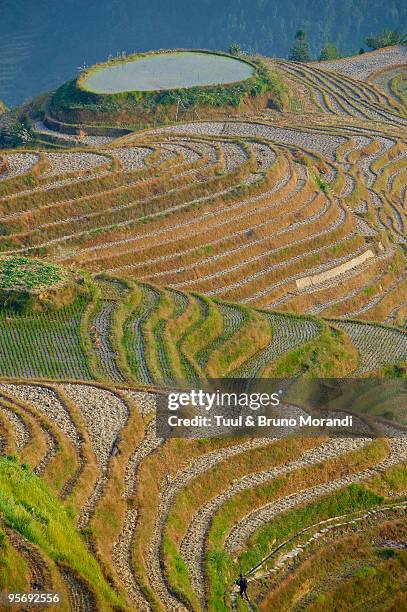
(316, 279)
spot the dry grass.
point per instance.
(110, 512)
(355, 575)
(88, 475)
(36, 449)
(253, 336)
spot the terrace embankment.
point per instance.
(197, 238)
(124, 520)
(154, 88)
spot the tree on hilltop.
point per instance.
(329, 52)
(300, 51)
(235, 49)
(387, 38)
(13, 132)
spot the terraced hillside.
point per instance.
(132, 333)
(272, 244)
(100, 515)
(269, 210)
(119, 492)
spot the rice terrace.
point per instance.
(167, 71)
(187, 215)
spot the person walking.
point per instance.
(242, 584)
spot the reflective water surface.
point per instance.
(168, 71)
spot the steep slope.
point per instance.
(272, 245)
(167, 519)
(141, 334)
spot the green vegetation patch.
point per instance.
(44, 345)
(28, 284)
(329, 355)
(30, 274)
(27, 506)
(387, 38)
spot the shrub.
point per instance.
(235, 49)
(387, 38)
(329, 52)
(321, 183)
(300, 51)
(366, 572)
(13, 133)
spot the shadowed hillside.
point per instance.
(34, 35)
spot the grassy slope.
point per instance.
(14, 570)
(359, 574)
(220, 566)
(27, 506)
(331, 354)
